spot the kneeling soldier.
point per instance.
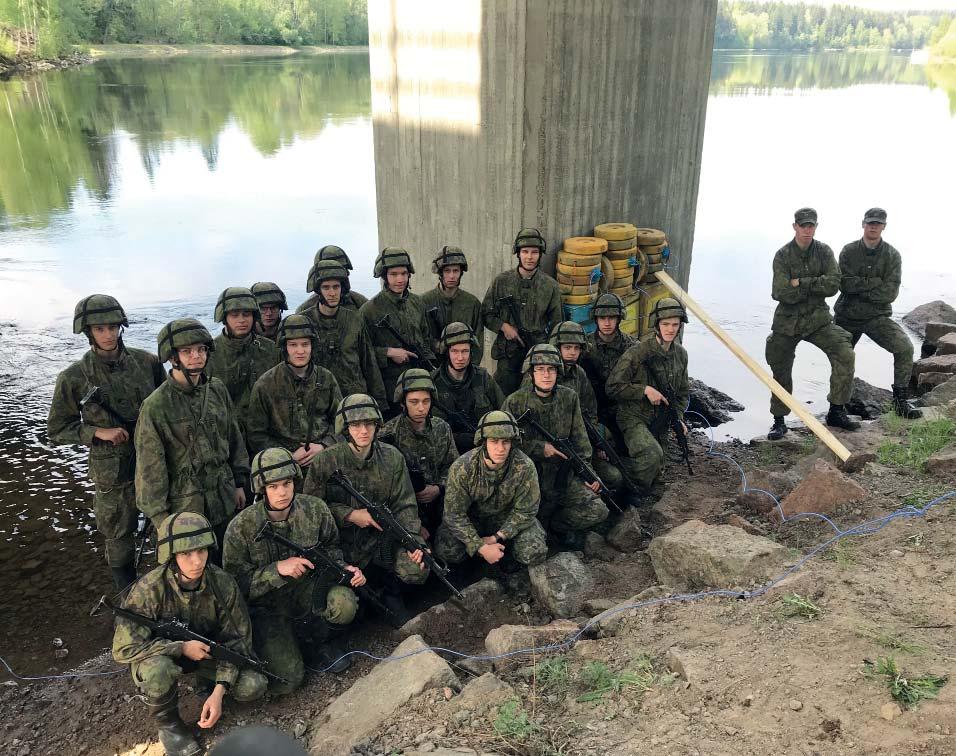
(185, 587)
(491, 501)
(294, 603)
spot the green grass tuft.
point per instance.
(512, 721)
(922, 440)
(795, 605)
(892, 640)
(907, 691)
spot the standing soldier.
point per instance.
(870, 274)
(520, 307)
(186, 587)
(395, 310)
(295, 604)
(271, 301)
(351, 300)
(293, 404)
(652, 367)
(805, 273)
(343, 346)
(192, 456)
(465, 391)
(569, 507)
(377, 470)
(491, 502)
(449, 303)
(605, 347)
(96, 403)
(425, 441)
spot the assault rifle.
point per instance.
(386, 323)
(515, 312)
(415, 471)
(434, 315)
(579, 465)
(666, 417)
(384, 517)
(95, 396)
(144, 532)
(601, 442)
(177, 630)
(455, 417)
(315, 554)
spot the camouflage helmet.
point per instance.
(181, 333)
(356, 407)
(413, 379)
(268, 293)
(331, 252)
(392, 257)
(271, 466)
(183, 531)
(496, 424)
(97, 309)
(327, 270)
(608, 305)
(236, 299)
(666, 307)
(456, 333)
(449, 256)
(529, 237)
(542, 354)
(568, 332)
(296, 326)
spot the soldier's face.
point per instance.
(668, 328)
(331, 292)
(417, 405)
(362, 433)
(872, 232)
(396, 279)
(803, 233)
(544, 376)
(498, 449)
(192, 563)
(299, 351)
(279, 494)
(240, 322)
(106, 337)
(270, 315)
(451, 276)
(570, 352)
(606, 324)
(529, 257)
(193, 357)
(459, 356)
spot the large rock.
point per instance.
(928, 381)
(478, 600)
(940, 396)
(868, 401)
(823, 489)
(947, 344)
(561, 584)
(936, 332)
(942, 363)
(758, 480)
(931, 312)
(608, 622)
(697, 555)
(712, 404)
(595, 547)
(481, 694)
(513, 643)
(626, 535)
(943, 463)
(374, 698)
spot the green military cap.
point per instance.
(392, 257)
(568, 332)
(98, 309)
(354, 408)
(183, 531)
(608, 305)
(666, 307)
(236, 299)
(875, 215)
(456, 333)
(449, 256)
(268, 293)
(180, 333)
(805, 215)
(529, 237)
(332, 252)
(271, 466)
(496, 424)
(328, 270)
(542, 354)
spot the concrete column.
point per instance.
(490, 115)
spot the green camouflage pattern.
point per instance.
(353, 409)
(98, 309)
(183, 531)
(431, 450)
(236, 299)
(599, 361)
(608, 304)
(273, 465)
(333, 252)
(542, 354)
(462, 307)
(568, 332)
(473, 396)
(269, 293)
(664, 308)
(529, 237)
(869, 282)
(833, 341)
(803, 309)
(179, 333)
(392, 257)
(413, 379)
(450, 256)
(239, 363)
(886, 334)
(351, 301)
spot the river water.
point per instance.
(163, 181)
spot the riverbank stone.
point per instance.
(823, 490)
(561, 584)
(931, 312)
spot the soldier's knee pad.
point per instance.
(250, 685)
(341, 605)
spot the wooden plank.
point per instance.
(779, 391)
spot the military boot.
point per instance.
(330, 651)
(394, 600)
(778, 430)
(838, 418)
(902, 406)
(123, 576)
(174, 736)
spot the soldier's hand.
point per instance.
(361, 518)
(195, 650)
(428, 494)
(294, 567)
(595, 487)
(304, 456)
(240, 498)
(212, 708)
(511, 333)
(492, 552)
(684, 426)
(794, 282)
(358, 577)
(654, 396)
(417, 556)
(550, 451)
(400, 356)
(489, 539)
(602, 454)
(115, 436)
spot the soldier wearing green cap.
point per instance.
(96, 403)
(297, 606)
(192, 456)
(293, 404)
(271, 301)
(871, 271)
(520, 306)
(491, 503)
(604, 348)
(449, 303)
(805, 273)
(465, 391)
(185, 586)
(351, 300)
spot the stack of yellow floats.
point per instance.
(580, 277)
(652, 244)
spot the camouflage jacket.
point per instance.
(382, 478)
(869, 281)
(254, 564)
(537, 300)
(803, 309)
(465, 401)
(216, 610)
(632, 375)
(351, 301)
(286, 411)
(599, 360)
(123, 385)
(272, 333)
(503, 500)
(239, 363)
(428, 454)
(462, 307)
(191, 453)
(574, 378)
(346, 350)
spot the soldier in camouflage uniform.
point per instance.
(96, 403)
(569, 507)
(406, 314)
(378, 471)
(271, 301)
(520, 307)
(449, 303)
(491, 502)
(295, 604)
(805, 273)
(351, 300)
(240, 356)
(870, 274)
(655, 364)
(186, 587)
(425, 441)
(604, 348)
(465, 391)
(293, 404)
(344, 346)
(192, 456)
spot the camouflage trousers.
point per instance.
(508, 373)
(889, 335)
(645, 457)
(833, 341)
(116, 519)
(608, 473)
(567, 506)
(157, 675)
(382, 551)
(528, 547)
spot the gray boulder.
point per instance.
(519, 639)
(626, 534)
(940, 396)
(478, 600)
(561, 584)
(942, 363)
(946, 344)
(936, 332)
(868, 401)
(931, 312)
(713, 404)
